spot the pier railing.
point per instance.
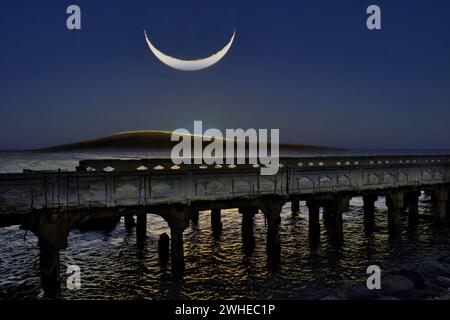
(110, 183)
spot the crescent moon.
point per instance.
(189, 65)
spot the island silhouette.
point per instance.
(153, 139)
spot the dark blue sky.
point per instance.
(308, 67)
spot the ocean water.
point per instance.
(113, 266)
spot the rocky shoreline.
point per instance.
(428, 279)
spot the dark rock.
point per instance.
(393, 283)
(443, 281)
(444, 259)
(446, 267)
(414, 276)
(415, 294)
(429, 279)
(433, 285)
(361, 292)
(431, 268)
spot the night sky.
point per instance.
(308, 67)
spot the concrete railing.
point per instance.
(127, 183)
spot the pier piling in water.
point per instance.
(295, 207)
(216, 221)
(141, 228)
(333, 211)
(178, 217)
(195, 216)
(394, 202)
(52, 230)
(49, 267)
(314, 220)
(271, 208)
(440, 199)
(369, 211)
(129, 221)
(163, 247)
(177, 251)
(411, 200)
(248, 238)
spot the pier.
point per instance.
(51, 203)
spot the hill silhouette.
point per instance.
(149, 139)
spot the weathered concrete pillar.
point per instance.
(195, 216)
(177, 250)
(441, 209)
(440, 199)
(129, 221)
(163, 247)
(178, 217)
(295, 207)
(333, 215)
(314, 220)
(216, 221)
(49, 265)
(248, 238)
(394, 202)
(52, 230)
(369, 211)
(141, 227)
(271, 208)
(273, 237)
(411, 200)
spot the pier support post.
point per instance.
(195, 216)
(394, 202)
(333, 215)
(177, 250)
(271, 208)
(248, 238)
(52, 230)
(216, 221)
(178, 217)
(141, 227)
(163, 247)
(295, 207)
(49, 265)
(440, 199)
(369, 211)
(411, 200)
(129, 221)
(314, 220)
